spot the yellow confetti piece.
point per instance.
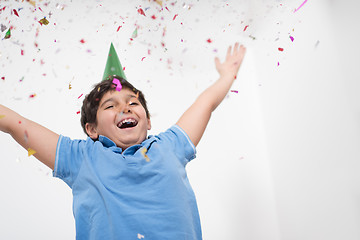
(31, 152)
(2, 116)
(143, 152)
(159, 2)
(32, 3)
(44, 21)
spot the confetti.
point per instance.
(300, 6)
(209, 40)
(281, 49)
(77, 112)
(44, 21)
(143, 58)
(235, 91)
(278, 63)
(3, 27)
(31, 152)
(3, 78)
(153, 17)
(175, 16)
(135, 33)
(31, 2)
(118, 84)
(143, 152)
(80, 95)
(2, 116)
(70, 86)
(291, 38)
(317, 43)
(15, 12)
(159, 2)
(119, 28)
(8, 34)
(246, 27)
(141, 11)
(22, 52)
(82, 41)
(32, 95)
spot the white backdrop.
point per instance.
(279, 159)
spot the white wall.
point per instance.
(311, 113)
(278, 159)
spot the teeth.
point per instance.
(129, 120)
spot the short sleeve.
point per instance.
(68, 159)
(180, 143)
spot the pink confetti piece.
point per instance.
(22, 52)
(118, 84)
(175, 16)
(119, 28)
(80, 96)
(300, 6)
(82, 41)
(278, 63)
(77, 112)
(141, 11)
(209, 40)
(291, 38)
(235, 91)
(143, 58)
(246, 28)
(281, 49)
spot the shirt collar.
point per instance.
(107, 142)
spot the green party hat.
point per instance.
(113, 65)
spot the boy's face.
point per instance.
(120, 117)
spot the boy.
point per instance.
(127, 185)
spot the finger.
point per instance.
(228, 54)
(236, 47)
(217, 62)
(242, 50)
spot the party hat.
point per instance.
(113, 65)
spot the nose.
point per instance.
(126, 109)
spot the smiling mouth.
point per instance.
(127, 123)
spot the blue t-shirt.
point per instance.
(140, 193)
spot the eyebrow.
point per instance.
(129, 96)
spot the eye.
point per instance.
(133, 103)
(109, 107)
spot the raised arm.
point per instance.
(196, 118)
(30, 135)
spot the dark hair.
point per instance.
(92, 100)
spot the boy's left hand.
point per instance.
(233, 60)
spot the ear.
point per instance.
(149, 123)
(91, 130)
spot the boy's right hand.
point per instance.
(30, 135)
